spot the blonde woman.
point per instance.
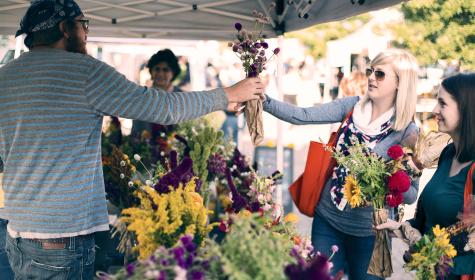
(380, 119)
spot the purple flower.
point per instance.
(276, 51)
(162, 276)
(238, 201)
(257, 45)
(238, 26)
(173, 159)
(235, 48)
(198, 184)
(164, 262)
(217, 165)
(265, 45)
(197, 275)
(130, 269)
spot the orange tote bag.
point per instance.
(306, 190)
(467, 198)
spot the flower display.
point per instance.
(182, 261)
(161, 219)
(319, 266)
(432, 256)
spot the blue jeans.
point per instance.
(354, 252)
(54, 259)
(5, 269)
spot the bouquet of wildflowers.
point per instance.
(373, 180)
(432, 255)
(251, 48)
(318, 267)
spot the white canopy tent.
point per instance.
(199, 19)
(196, 19)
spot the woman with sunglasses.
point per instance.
(443, 196)
(380, 119)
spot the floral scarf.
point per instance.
(370, 134)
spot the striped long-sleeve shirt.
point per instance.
(52, 103)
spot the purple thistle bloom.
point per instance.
(265, 45)
(165, 262)
(253, 50)
(130, 269)
(238, 201)
(238, 26)
(257, 45)
(276, 51)
(217, 165)
(235, 48)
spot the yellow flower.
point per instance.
(226, 201)
(352, 192)
(244, 213)
(291, 218)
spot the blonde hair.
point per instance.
(405, 66)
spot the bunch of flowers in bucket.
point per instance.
(372, 180)
(170, 206)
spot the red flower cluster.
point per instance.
(396, 152)
(399, 182)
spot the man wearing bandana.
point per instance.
(53, 100)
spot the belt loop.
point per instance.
(72, 243)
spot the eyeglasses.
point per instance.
(84, 23)
(378, 74)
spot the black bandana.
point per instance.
(45, 14)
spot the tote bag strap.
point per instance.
(468, 192)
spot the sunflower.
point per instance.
(352, 192)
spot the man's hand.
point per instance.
(245, 90)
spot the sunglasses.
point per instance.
(84, 23)
(378, 74)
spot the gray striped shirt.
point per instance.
(52, 103)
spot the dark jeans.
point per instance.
(354, 252)
(6, 272)
(55, 259)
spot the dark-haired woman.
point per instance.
(443, 196)
(164, 69)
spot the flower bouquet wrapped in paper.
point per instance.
(251, 48)
(371, 180)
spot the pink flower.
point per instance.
(395, 152)
(399, 182)
(334, 248)
(394, 199)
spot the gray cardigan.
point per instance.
(352, 221)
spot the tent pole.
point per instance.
(18, 46)
(279, 140)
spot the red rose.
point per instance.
(395, 152)
(394, 199)
(399, 182)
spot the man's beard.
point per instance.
(75, 44)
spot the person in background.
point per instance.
(380, 119)
(54, 99)
(164, 69)
(443, 196)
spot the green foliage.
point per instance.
(250, 251)
(316, 37)
(368, 169)
(203, 141)
(438, 29)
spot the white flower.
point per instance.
(180, 273)
(137, 157)
(148, 183)
(122, 163)
(131, 184)
(122, 176)
(162, 134)
(162, 153)
(152, 274)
